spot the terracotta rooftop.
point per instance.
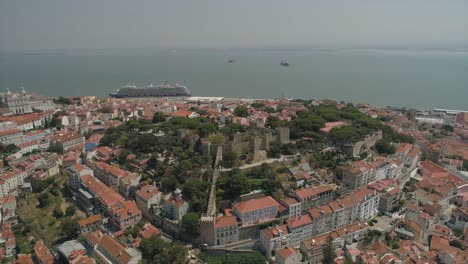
(255, 204)
(272, 232)
(312, 191)
(114, 248)
(225, 221)
(9, 132)
(125, 209)
(442, 244)
(24, 259)
(299, 221)
(149, 230)
(43, 253)
(289, 201)
(147, 192)
(90, 220)
(285, 253)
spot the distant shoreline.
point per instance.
(240, 49)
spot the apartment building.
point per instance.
(299, 229)
(360, 173)
(293, 206)
(74, 175)
(274, 238)
(174, 205)
(288, 255)
(11, 180)
(312, 248)
(67, 141)
(226, 230)
(256, 210)
(409, 153)
(125, 214)
(90, 224)
(146, 198)
(389, 197)
(106, 249)
(11, 136)
(313, 196)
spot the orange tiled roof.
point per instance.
(299, 221)
(225, 221)
(90, 220)
(286, 252)
(24, 259)
(148, 231)
(43, 253)
(9, 132)
(272, 232)
(255, 204)
(312, 191)
(147, 192)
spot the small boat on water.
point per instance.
(284, 63)
(231, 60)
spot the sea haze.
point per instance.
(421, 79)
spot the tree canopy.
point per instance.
(383, 146)
(159, 117)
(156, 250)
(241, 111)
(329, 254)
(191, 224)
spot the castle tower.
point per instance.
(177, 195)
(207, 230)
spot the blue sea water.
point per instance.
(421, 79)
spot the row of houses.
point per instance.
(360, 205)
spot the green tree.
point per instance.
(152, 162)
(236, 185)
(241, 111)
(196, 191)
(69, 227)
(191, 223)
(158, 117)
(44, 200)
(245, 258)
(70, 210)
(329, 254)
(448, 128)
(274, 150)
(384, 147)
(152, 247)
(123, 155)
(258, 106)
(176, 254)
(457, 244)
(232, 128)
(229, 159)
(105, 110)
(274, 122)
(40, 185)
(58, 212)
(62, 100)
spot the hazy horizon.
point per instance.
(221, 24)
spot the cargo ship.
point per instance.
(161, 90)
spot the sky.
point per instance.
(221, 24)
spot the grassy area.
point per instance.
(48, 221)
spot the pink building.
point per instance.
(125, 214)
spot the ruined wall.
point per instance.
(356, 148)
